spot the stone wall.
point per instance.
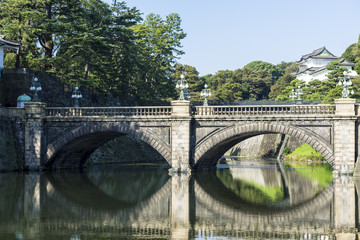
(126, 150)
(11, 146)
(265, 145)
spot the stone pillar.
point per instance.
(344, 136)
(180, 206)
(344, 208)
(180, 136)
(35, 113)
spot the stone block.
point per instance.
(345, 107)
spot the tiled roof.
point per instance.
(344, 62)
(8, 42)
(317, 52)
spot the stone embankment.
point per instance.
(10, 148)
(266, 145)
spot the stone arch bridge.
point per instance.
(188, 137)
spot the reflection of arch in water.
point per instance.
(215, 200)
(94, 204)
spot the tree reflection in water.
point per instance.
(269, 183)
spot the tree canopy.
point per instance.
(106, 49)
(111, 50)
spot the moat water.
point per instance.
(243, 199)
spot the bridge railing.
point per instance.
(264, 110)
(12, 112)
(107, 111)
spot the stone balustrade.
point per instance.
(196, 111)
(264, 110)
(107, 111)
(12, 112)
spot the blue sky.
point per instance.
(229, 34)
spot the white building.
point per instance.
(313, 66)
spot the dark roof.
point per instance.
(344, 62)
(316, 53)
(8, 42)
(311, 70)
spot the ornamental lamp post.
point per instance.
(346, 83)
(292, 96)
(77, 96)
(299, 92)
(296, 94)
(35, 87)
(182, 85)
(205, 93)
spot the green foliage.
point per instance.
(285, 93)
(255, 83)
(274, 71)
(106, 49)
(241, 84)
(226, 87)
(281, 84)
(352, 53)
(287, 150)
(305, 152)
(191, 75)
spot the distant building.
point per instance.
(6, 43)
(313, 66)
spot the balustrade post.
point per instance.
(344, 136)
(180, 136)
(35, 114)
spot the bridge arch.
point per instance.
(71, 149)
(209, 150)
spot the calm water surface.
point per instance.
(243, 199)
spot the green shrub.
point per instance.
(287, 150)
(303, 153)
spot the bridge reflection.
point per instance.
(153, 204)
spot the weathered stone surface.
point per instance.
(11, 151)
(126, 150)
(185, 141)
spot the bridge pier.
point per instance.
(344, 136)
(35, 113)
(180, 136)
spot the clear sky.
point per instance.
(228, 34)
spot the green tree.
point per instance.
(255, 84)
(274, 71)
(159, 47)
(352, 53)
(224, 86)
(15, 24)
(191, 75)
(280, 85)
(285, 93)
(106, 49)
